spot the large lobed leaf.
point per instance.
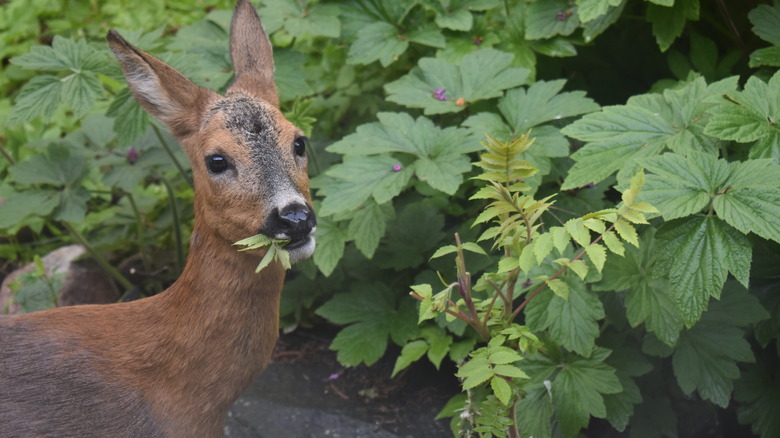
(438, 86)
(619, 136)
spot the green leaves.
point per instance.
(371, 310)
(56, 169)
(298, 19)
(438, 86)
(698, 252)
(79, 88)
(436, 156)
(751, 115)
(746, 195)
(494, 363)
(669, 18)
(572, 322)
(578, 386)
(275, 251)
(706, 355)
(618, 137)
(766, 22)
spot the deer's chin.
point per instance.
(301, 249)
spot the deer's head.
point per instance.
(249, 163)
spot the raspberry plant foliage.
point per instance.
(570, 298)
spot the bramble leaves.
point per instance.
(746, 195)
(699, 252)
(705, 356)
(766, 22)
(571, 322)
(371, 310)
(436, 156)
(438, 86)
(42, 95)
(619, 137)
(578, 386)
(751, 115)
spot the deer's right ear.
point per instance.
(159, 88)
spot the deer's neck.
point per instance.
(221, 324)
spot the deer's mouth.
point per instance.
(301, 248)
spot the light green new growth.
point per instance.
(276, 250)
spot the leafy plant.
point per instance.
(570, 297)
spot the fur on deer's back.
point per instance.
(50, 384)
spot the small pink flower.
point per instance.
(438, 94)
(397, 167)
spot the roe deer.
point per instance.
(171, 365)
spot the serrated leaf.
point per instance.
(501, 389)
(330, 246)
(613, 243)
(619, 136)
(766, 22)
(597, 255)
(559, 288)
(377, 42)
(750, 116)
(627, 232)
(578, 232)
(80, 91)
(758, 394)
(299, 19)
(543, 20)
(589, 10)
(360, 178)
(480, 75)
(706, 355)
(510, 371)
(560, 238)
(699, 252)
(648, 299)
(669, 22)
(411, 353)
(571, 323)
(475, 372)
(580, 268)
(543, 246)
(40, 96)
(578, 390)
(28, 203)
(508, 264)
(367, 227)
(362, 342)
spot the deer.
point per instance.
(172, 364)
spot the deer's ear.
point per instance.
(252, 54)
(159, 88)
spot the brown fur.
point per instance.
(172, 365)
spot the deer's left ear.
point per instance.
(252, 54)
(159, 88)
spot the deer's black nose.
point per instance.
(294, 222)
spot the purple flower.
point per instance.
(397, 167)
(527, 283)
(132, 155)
(439, 94)
(560, 16)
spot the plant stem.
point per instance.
(170, 154)
(113, 272)
(141, 235)
(557, 274)
(176, 224)
(513, 431)
(7, 155)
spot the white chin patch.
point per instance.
(303, 252)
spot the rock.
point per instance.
(84, 282)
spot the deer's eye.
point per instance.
(300, 145)
(216, 163)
